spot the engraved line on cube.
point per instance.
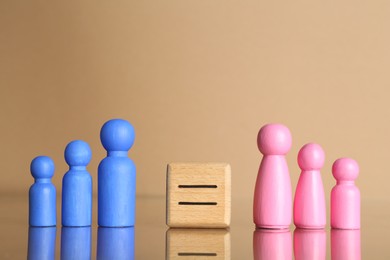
(197, 203)
(198, 186)
(196, 254)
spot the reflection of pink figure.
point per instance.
(309, 244)
(272, 244)
(309, 201)
(272, 205)
(345, 244)
(345, 196)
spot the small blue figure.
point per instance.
(116, 176)
(76, 243)
(41, 243)
(42, 194)
(115, 243)
(77, 186)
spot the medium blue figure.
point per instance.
(116, 176)
(115, 243)
(42, 194)
(76, 243)
(77, 186)
(41, 243)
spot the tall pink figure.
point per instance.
(309, 201)
(345, 196)
(272, 207)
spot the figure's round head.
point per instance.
(311, 157)
(42, 167)
(117, 135)
(78, 153)
(345, 169)
(274, 139)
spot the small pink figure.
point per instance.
(345, 196)
(345, 244)
(272, 207)
(272, 244)
(309, 201)
(309, 244)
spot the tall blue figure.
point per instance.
(42, 194)
(77, 186)
(116, 176)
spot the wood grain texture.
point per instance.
(197, 244)
(198, 195)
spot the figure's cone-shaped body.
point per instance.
(272, 207)
(309, 244)
(272, 244)
(77, 186)
(116, 176)
(309, 201)
(42, 194)
(345, 196)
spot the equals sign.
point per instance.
(197, 187)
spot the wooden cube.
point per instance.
(197, 244)
(198, 195)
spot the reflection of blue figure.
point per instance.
(115, 243)
(76, 243)
(116, 176)
(41, 243)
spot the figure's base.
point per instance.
(310, 227)
(272, 227)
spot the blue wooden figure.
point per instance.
(42, 194)
(41, 243)
(115, 243)
(76, 243)
(116, 176)
(77, 186)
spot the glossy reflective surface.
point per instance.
(41, 243)
(75, 243)
(115, 243)
(151, 239)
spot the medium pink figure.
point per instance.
(309, 201)
(345, 196)
(272, 244)
(345, 244)
(309, 244)
(272, 207)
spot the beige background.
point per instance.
(197, 79)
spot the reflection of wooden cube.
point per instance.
(198, 195)
(197, 244)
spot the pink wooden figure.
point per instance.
(345, 244)
(272, 244)
(309, 201)
(272, 207)
(309, 244)
(345, 196)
